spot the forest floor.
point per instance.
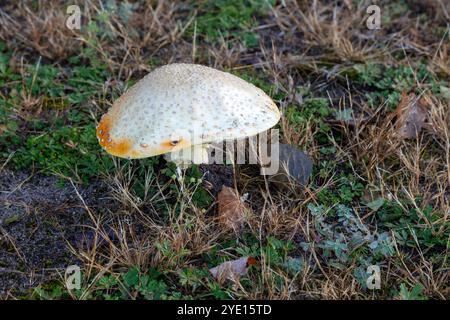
(378, 195)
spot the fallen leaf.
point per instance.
(3, 128)
(57, 103)
(293, 164)
(232, 270)
(411, 115)
(231, 208)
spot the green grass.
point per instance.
(56, 134)
(231, 20)
(67, 151)
(191, 282)
(385, 84)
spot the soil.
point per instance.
(39, 217)
(216, 176)
(42, 216)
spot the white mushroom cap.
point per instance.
(178, 106)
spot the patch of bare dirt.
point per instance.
(39, 218)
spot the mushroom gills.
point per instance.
(183, 158)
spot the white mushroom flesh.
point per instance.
(184, 106)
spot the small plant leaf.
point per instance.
(131, 278)
(375, 204)
(294, 265)
(414, 294)
(10, 220)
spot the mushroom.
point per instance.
(179, 110)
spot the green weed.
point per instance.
(67, 151)
(231, 20)
(389, 82)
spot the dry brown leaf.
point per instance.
(411, 115)
(3, 128)
(231, 208)
(348, 4)
(232, 270)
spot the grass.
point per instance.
(230, 20)
(372, 199)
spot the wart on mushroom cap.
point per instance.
(184, 107)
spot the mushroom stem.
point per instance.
(180, 178)
(184, 158)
